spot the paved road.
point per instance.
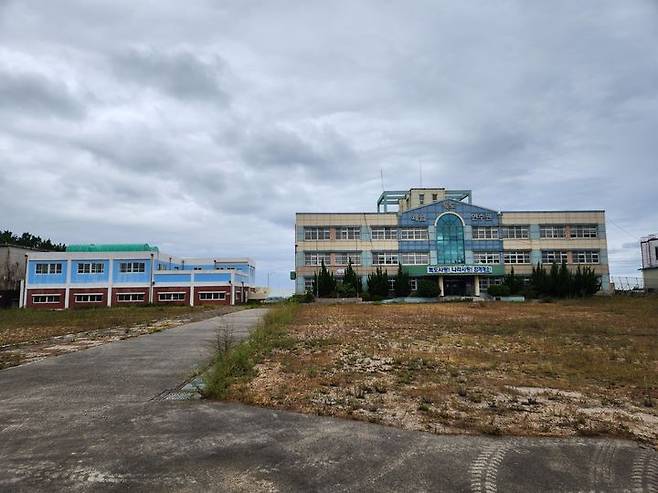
(92, 420)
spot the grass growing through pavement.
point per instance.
(32, 325)
(235, 363)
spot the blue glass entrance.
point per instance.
(450, 239)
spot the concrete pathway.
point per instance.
(93, 420)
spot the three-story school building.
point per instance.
(132, 274)
(440, 234)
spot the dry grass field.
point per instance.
(545, 369)
(27, 335)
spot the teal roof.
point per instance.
(112, 247)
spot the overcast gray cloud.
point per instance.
(202, 128)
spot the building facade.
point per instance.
(439, 234)
(122, 275)
(12, 272)
(649, 248)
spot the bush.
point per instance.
(427, 289)
(498, 290)
(378, 283)
(346, 290)
(402, 283)
(371, 297)
(303, 298)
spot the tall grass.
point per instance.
(236, 362)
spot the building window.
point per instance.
(308, 284)
(435, 197)
(554, 256)
(384, 258)
(130, 267)
(517, 257)
(486, 257)
(584, 231)
(485, 282)
(384, 233)
(349, 233)
(414, 284)
(421, 198)
(127, 297)
(49, 268)
(415, 258)
(91, 268)
(171, 296)
(586, 257)
(45, 298)
(391, 284)
(212, 295)
(450, 239)
(551, 231)
(514, 232)
(344, 258)
(414, 234)
(485, 233)
(321, 233)
(88, 298)
(315, 258)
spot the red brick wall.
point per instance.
(224, 289)
(73, 292)
(171, 289)
(116, 291)
(47, 306)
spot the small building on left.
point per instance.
(132, 274)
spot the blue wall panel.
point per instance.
(34, 278)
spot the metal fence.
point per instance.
(622, 283)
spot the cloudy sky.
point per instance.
(203, 126)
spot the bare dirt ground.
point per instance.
(26, 336)
(538, 369)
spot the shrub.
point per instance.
(402, 283)
(345, 290)
(378, 283)
(307, 297)
(498, 290)
(427, 289)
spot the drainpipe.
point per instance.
(24, 286)
(152, 282)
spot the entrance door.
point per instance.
(454, 286)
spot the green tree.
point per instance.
(351, 278)
(402, 283)
(428, 288)
(513, 282)
(563, 281)
(378, 283)
(324, 283)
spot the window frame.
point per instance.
(354, 256)
(388, 233)
(419, 258)
(91, 268)
(586, 253)
(129, 267)
(78, 297)
(504, 232)
(325, 255)
(51, 268)
(348, 233)
(564, 256)
(586, 231)
(544, 228)
(179, 296)
(509, 254)
(214, 295)
(326, 233)
(141, 299)
(413, 234)
(389, 257)
(492, 232)
(490, 258)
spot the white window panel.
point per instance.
(414, 234)
(315, 258)
(517, 257)
(212, 295)
(486, 257)
(91, 268)
(384, 233)
(48, 268)
(171, 296)
(88, 298)
(126, 297)
(348, 233)
(414, 284)
(552, 231)
(308, 284)
(415, 258)
(584, 231)
(551, 256)
(132, 267)
(521, 232)
(45, 298)
(343, 258)
(384, 258)
(586, 257)
(485, 233)
(316, 233)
